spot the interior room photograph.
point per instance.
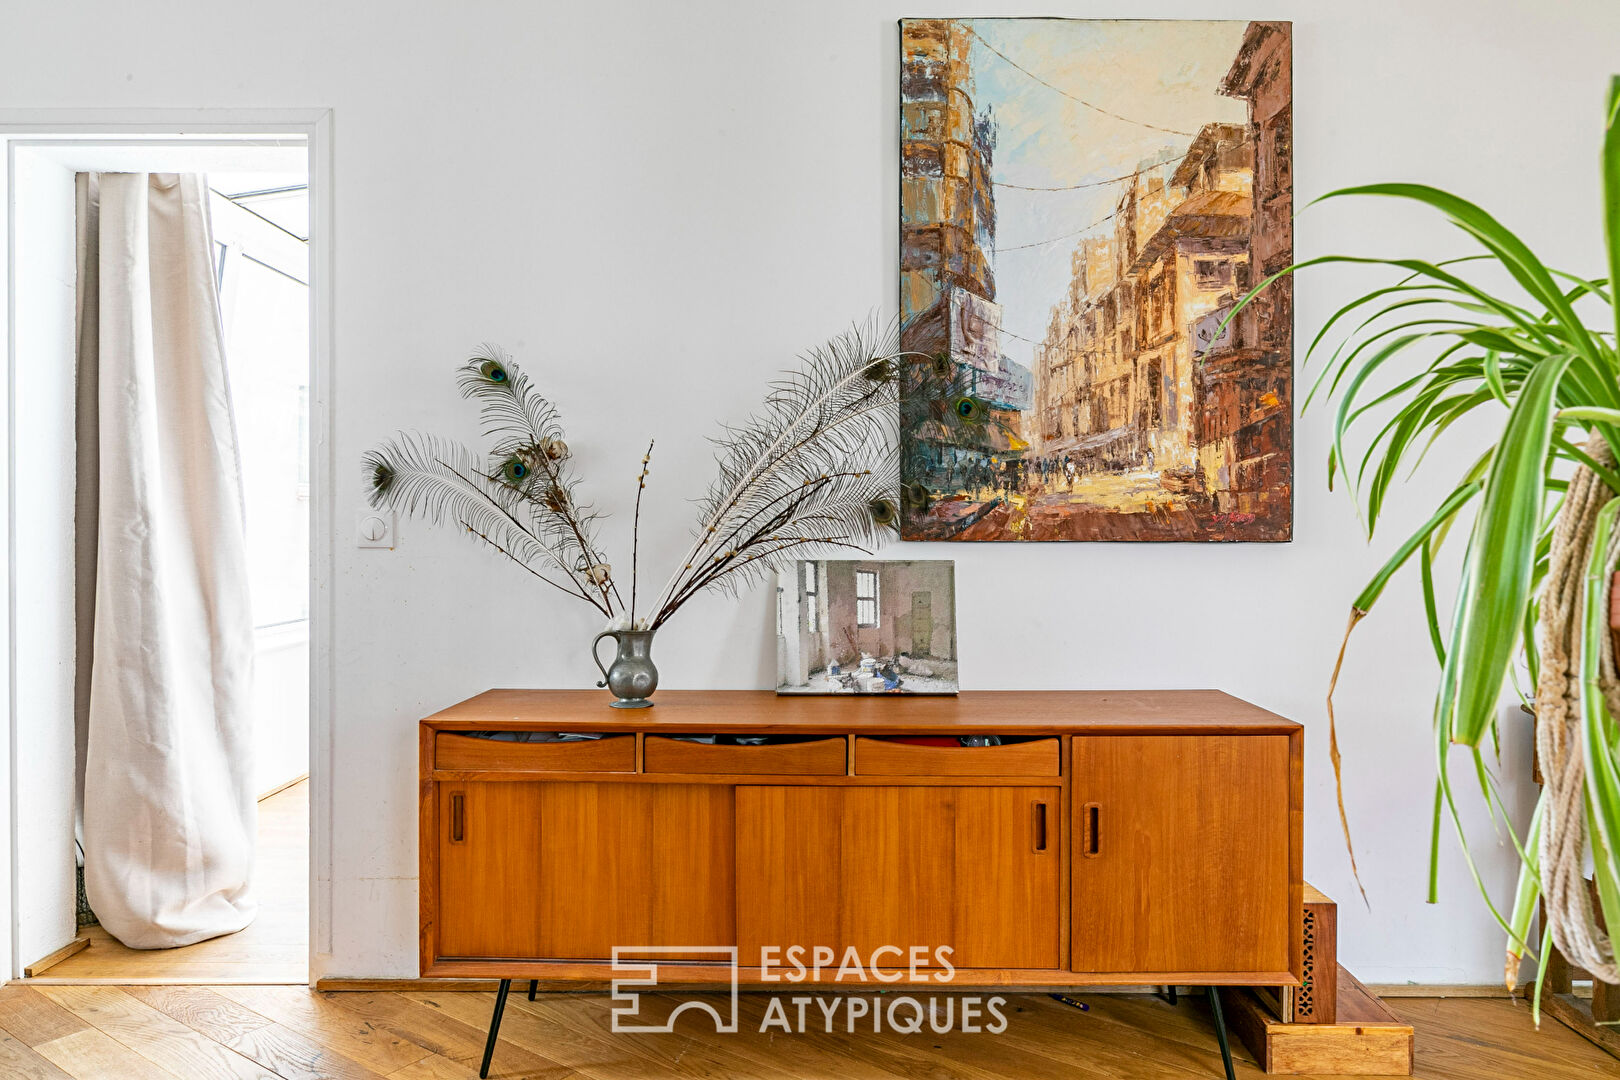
(825, 540)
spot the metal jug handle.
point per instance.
(594, 643)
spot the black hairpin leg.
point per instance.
(1220, 1031)
(495, 1026)
(534, 984)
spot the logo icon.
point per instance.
(640, 966)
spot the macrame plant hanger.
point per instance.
(1567, 899)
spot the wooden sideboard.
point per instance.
(1115, 838)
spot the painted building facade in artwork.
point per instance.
(1148, 413)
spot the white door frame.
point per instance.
(159, 128)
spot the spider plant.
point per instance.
(1536, 353)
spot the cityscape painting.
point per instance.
(1083, 203)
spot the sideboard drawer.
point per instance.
(814, 757)
(612, 753)
(879, 757)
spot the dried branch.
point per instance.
(635, 532)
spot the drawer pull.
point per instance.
(1040, 826)
(1093, 845)
(458, 818)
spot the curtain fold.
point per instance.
(168, 804)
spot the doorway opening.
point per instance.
(261, 228)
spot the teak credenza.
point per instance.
(1114, 838)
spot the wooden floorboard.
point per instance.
(34, 1018)
(292, 1033)
(92, 1052)
(19, 1062)
(281, 1050)
(273, 948)
(435, 1068)
(460, 1041)
(318, 1019)
(158, 1038)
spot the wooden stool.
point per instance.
(1330, 1023)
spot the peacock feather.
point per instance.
(529, 454)
(940, 408)
(519, 498)
(517, 473)
(421, 475)
(813, 472)
(969, 409)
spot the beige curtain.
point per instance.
(166, 648)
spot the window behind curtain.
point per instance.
(264, 305)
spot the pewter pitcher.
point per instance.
(631, 677)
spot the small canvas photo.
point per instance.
(851, 626)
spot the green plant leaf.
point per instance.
(1454, 502)
(1430, 614)
(1440, 417)
(1587, 412)
(1476, 471)
(1434, 842)
(1524, 898)
(1369, 595)
(1493, 375)
(1611, 188)
(1527, 322)
(1575, 453)
(1602, 774)
(1497, 584)
(1541, 975)
(1514, 255)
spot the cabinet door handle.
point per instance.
(1040, 826)
(458, 817)
(1093, 845)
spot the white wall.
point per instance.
(655, 205)
(44, 583)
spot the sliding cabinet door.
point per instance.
(972, 868)
(789, 869)
(634, 864)
(568, 871)
(489, 864)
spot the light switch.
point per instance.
(375, 528)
